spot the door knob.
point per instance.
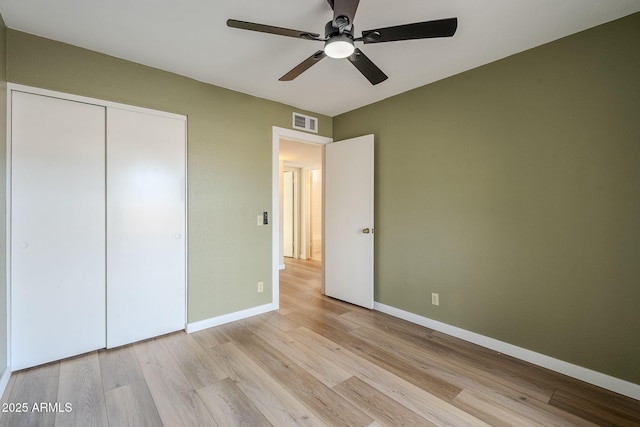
(366, 230)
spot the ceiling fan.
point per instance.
(339, 40)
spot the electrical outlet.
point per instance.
(260, 287)
(435, 299)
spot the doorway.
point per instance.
(301, 199)
(297, 159)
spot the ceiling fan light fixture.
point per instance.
(340, 46)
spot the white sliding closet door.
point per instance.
(57, 229)
(146, 177)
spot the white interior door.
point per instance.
(146, 245)
(57, 229)
(348, 220)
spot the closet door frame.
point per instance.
(11, 87)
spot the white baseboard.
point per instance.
(593, 377)
(231, 317)
(4, 380)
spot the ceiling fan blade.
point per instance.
(367, 68)
(419, 30)
(345, 8)
(303, 66)
(272, 30)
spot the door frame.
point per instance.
(294, 135)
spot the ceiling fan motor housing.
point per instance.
(330, 31)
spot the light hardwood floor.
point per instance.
(316, 361)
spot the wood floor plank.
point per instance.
(300, 281)
(462, 375)
(305, 317)
(5, 396)
(386, 323)
(175, 398)
(503, 368)
(32, 387)
(324, 370)
(496, 415)
(383, 358)
(278, 320)
(322, 400)
(313, 304)
(210, 337)
(306, 271)
(419, 348)
(196, 364)
(591, 395)
(594, 411)
(492, 403)
(80, 386)
(118, 367)
(430, 407)
(132, 405)
(285, 310)
(509, 367)
(229, 406)
(379, 406)
(279, 406)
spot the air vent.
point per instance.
(302, 122)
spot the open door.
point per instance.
(348, 220)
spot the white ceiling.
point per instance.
(190, 37)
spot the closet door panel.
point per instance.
(57, 229)
(146, 177)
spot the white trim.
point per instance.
(231, 317)
(186, 222)
(275, 217)
(298, 136)
(4, 379)
(596, 378)
(87, 100)
(6, 374)
(8, 186)
(293, 135)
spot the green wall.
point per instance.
(229, 160)
(513, 191)
(3, 196)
